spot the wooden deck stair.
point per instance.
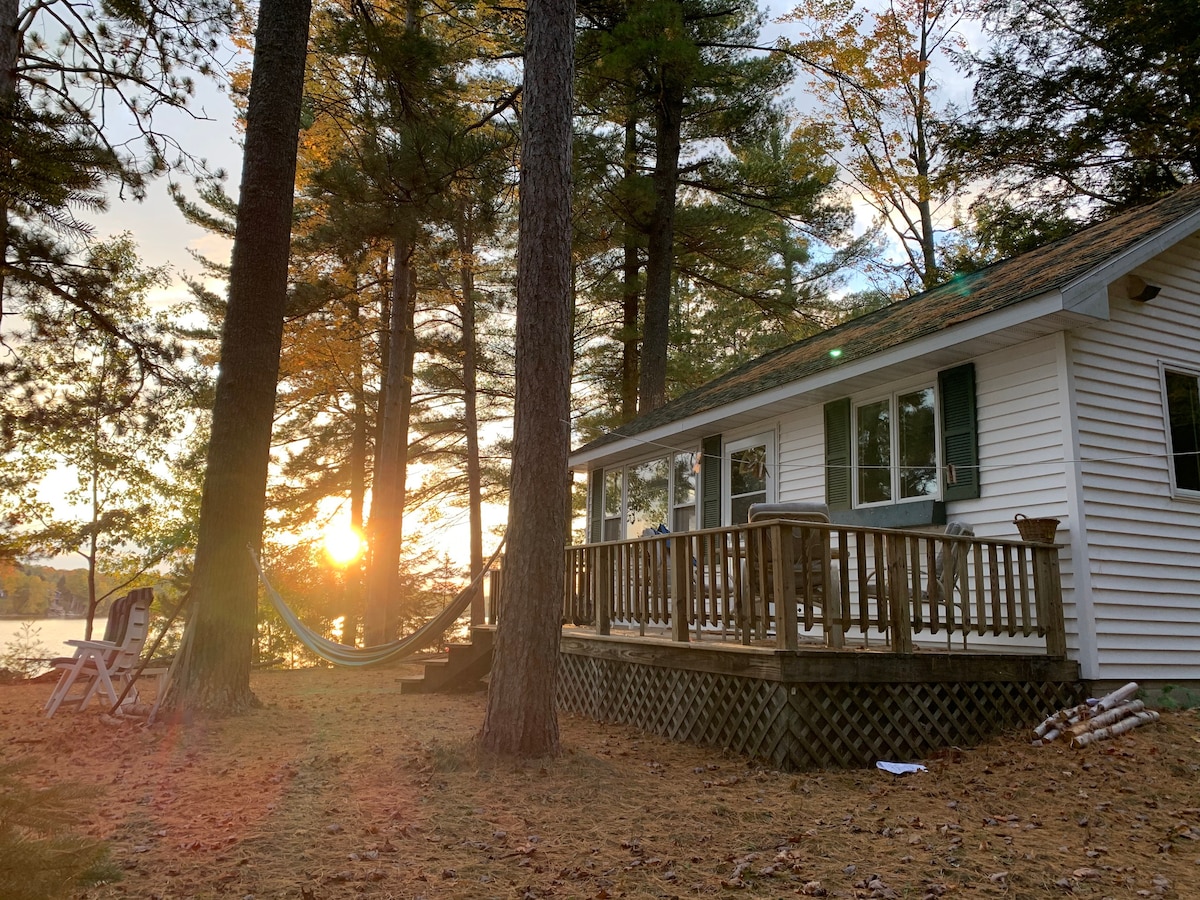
(461, 668)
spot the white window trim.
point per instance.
(624, 467)
(893, 407)
(1177, 492)
(731, 447)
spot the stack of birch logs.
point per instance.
(1095, 720)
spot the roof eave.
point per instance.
(1046, 312)
(1089, 290)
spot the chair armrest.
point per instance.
(93, 645)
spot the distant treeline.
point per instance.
(37, 591)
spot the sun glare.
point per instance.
(343, 545)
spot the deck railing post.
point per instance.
(832, 596)
(680, 574)
(1047, 587)
(898, 596)
(495, 592)
(570, 610)
(784, 576)
(605, 573)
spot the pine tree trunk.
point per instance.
(630, 294)
(386, 527)
(214, 675)
(470, 375)
(521, 719)
(660, 250)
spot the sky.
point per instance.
(162, 235)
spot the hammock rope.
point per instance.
(345, 655)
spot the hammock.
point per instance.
(344, 655)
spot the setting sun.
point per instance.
(343, 545)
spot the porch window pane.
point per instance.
(739, 507)
(612, 492)
(647, 496)
(873, 425)
(747, 480)
(612, 505)
(1183, 410)
(685, 468)
(916, 444)
(684, 518)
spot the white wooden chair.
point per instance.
(101, 665)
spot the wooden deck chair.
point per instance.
(100, 665)
(809, 553)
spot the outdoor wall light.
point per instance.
(1139, 290)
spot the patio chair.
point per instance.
(100, 665)
(947, 564)
(810, 551)
(943, 562)
(949, 569)
(940, 583)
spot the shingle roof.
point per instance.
(1002, 284)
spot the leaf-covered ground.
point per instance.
(341, 787)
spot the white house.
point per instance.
(1062, 383)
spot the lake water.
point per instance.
(50, 633)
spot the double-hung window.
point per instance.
(1183, 418)
(915, 444)
(896, 448)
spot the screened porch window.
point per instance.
(685, 469)
(645, 495)
(648, 496)
(614, 481)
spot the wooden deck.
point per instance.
(814, 646)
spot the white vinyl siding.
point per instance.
(802, 456)
(1143, 542)
(1022, 451)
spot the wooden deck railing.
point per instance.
(778, 582)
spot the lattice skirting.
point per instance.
(805, 725)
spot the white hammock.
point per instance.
(344, 655)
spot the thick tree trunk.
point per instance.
(214, 675)
(470, 375)
(10, 50)
(631, 317)
(660, 250)
(521, 718)
(386, 528)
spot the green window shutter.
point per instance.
(595, 506)
(960, 433)
(710, 482)
(837, 453)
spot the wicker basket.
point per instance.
(1040, 531)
